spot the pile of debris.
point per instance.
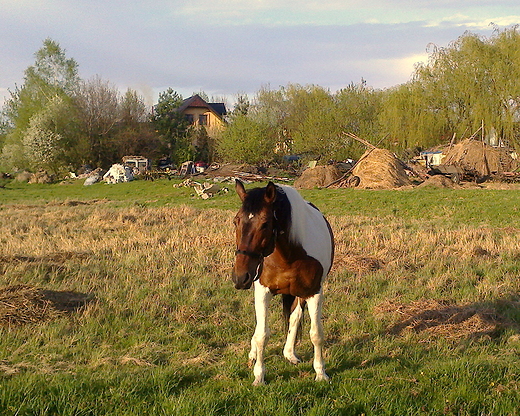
(245, 172)
(93, 177)
(480, 159)
(118, 173)
(438, 181)
(39, 177)
(204, 190)
(317, 177)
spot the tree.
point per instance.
(135, 134)
(474, 81)
(242, 105)
(246, 140)
(133, 109)
(52, 75)
(172, 126)
(98, 108)
(42, 141)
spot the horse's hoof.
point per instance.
(322, 377)
(258, 383)
(293, 359)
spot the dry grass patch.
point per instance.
(23, 304)
(444, 319)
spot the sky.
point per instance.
(231, 47)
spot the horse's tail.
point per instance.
(289, 302)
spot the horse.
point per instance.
(284, 245)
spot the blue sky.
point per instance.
(227, 47)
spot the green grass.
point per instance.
(168, 334)
(454, 206)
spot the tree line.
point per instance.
(57, 120)
(472, 85)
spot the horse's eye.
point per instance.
(265, 225)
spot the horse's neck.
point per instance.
(287, 249)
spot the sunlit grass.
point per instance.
(166, 333)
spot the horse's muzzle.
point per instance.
(243, 282)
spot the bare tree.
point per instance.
(98, 104)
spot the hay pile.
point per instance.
(476, 156)
(317, 177)
(380, 169)
(23, 304)
(443, 319)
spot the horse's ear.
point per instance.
(241, 191)
(270, 193)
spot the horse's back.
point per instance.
(310, 228)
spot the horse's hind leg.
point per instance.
(292, 333)
(261, 335)
(314, 303)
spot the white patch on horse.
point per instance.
(309, 228)
(251, 216)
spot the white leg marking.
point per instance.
(256, 356)
(314, 304)
(294, 322)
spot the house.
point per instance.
(198, 112)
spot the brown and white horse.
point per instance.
(284, 246)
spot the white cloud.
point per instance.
(396, 70)
(461, 20)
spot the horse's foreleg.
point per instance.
(314, 304)
(294, 323)
(261, 335)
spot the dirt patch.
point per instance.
(75, 203)
(445, 319)
(438, 181)
(359, 264)
(23, 304)
(231, 170)
(317, 177)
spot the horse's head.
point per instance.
(255, 233)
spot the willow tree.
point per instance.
(475, 82)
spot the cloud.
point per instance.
(234, 46)
(461, 20)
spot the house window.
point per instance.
(189, 118)
(203, 119)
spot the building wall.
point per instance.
(214, 123)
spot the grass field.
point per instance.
(422, 309)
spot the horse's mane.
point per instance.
(308, 227)
(298, 209)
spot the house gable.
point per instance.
(199, 112)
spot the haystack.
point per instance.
(317, 177)
(476, 156)
(380, 169)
